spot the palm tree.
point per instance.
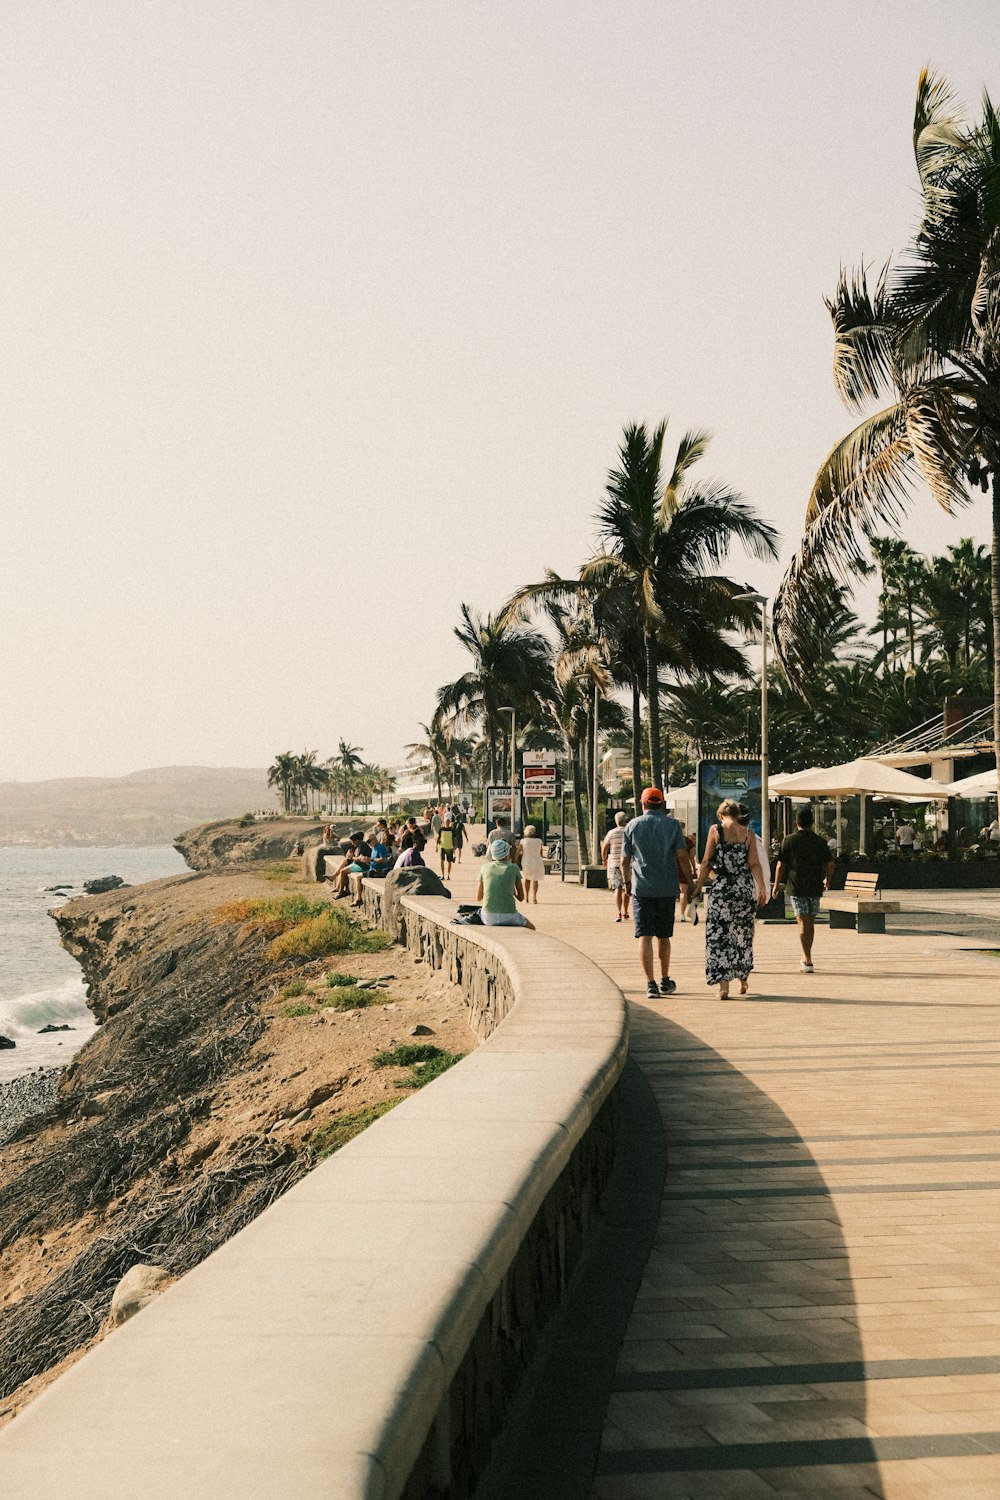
(347, 760)
(282, 775)
(660, 537)
(654, 603)
(385, 785)
(904, 579)
(927, 337)
(432, 751)
(510, 666)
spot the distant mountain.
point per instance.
(145, 807)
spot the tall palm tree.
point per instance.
(511, 665)
(282, 775)
(904, 579)
(927, 338)
(657, 606)
(660, 537)
(433, 751)
(347, 761)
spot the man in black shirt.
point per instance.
(804, 862)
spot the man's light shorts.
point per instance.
(806, 906)
(616, 881)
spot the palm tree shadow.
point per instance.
(742, 1353)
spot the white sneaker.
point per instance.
(806, 967)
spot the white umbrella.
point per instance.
(983, 784)
(865, 777)
(777, 784)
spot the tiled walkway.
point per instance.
(820, 1313)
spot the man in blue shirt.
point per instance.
(654, 857)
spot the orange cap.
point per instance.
(653, 796)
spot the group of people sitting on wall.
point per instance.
(393, 844)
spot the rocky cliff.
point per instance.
(195, 1104)
(237, 843)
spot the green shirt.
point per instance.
(498, 887)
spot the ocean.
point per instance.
(39, 983)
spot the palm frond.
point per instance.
(865, 482)
(712, 517)
(937, 130)
(690, 449)
(932, 426)
(863, 361)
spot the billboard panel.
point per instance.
(499, 805)
(719, 779)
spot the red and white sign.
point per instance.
(538, 772)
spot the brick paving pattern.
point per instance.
(820, 1313)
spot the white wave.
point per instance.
(61, 1004)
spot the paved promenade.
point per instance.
(819, 1314)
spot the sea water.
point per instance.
(40, 984)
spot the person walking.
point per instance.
(458, 829)
(532, 864)
(735, 893)
(690, 841)
(804, 864)
(611, 853)
(446, 847)
(654, 861)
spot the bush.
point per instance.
(300, 1008)
(349, 997)
(291, 990)
(403, 1056)
(276, 914)
(335, 979)
(337, 1132)
(425, 1062)
(424, 1073)
(330, 932)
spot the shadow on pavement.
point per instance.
(711, 1322)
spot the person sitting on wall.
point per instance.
(500, 886)
(378, 867)
(355, 862)
(409, 854)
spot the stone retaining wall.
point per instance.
(363, 1338)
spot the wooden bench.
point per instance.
(859, 904)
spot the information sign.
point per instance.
(538, 771)
(719, 779)
(498, 805)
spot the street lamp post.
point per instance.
(765, 805)
(594, 821)
(506, 709)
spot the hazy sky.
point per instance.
(321, 318)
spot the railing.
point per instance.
(364, 1337)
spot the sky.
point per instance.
(322, 318)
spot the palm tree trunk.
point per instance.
(653, 708)
(590, 760)
(636, 745)
(582, 842)
(995, 595)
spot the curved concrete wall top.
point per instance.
(310, 1354)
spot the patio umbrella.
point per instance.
(863, 777)
(983, 784)
(860, 778)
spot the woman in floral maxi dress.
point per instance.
(735, 893)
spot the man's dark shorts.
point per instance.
(654, 916)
